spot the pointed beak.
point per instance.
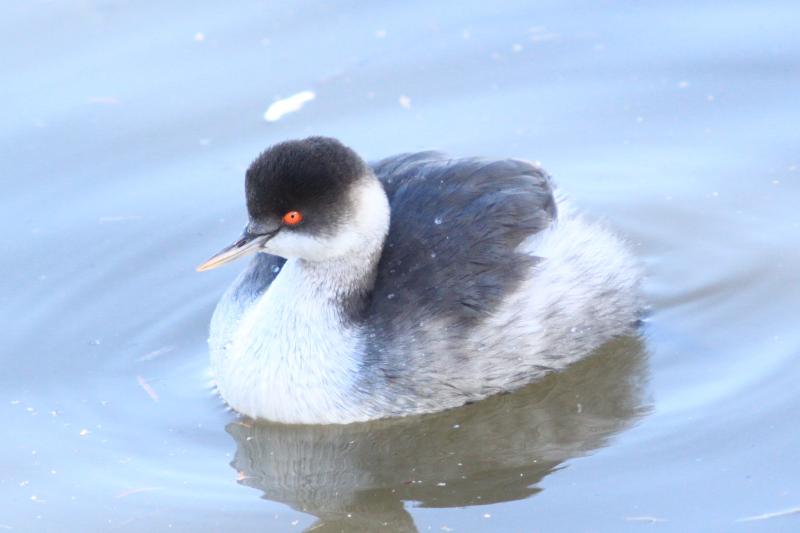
(249, 243)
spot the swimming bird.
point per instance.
(411, 285)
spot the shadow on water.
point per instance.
(357, 477)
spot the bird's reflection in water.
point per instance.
(357, 477)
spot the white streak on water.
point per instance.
(287, 105)
(767, 516)
(649, 519)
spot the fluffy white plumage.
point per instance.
(290, 358)
(415, 285)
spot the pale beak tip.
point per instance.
(205, 266)
(247, 245)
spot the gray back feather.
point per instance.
(455, 225)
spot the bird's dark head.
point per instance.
(312, 176)
(313, 198)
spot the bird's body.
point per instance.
(432, 283)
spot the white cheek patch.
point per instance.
(297, 244)
(294, 244)
(363, 231)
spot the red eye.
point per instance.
(292, 218)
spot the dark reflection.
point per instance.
(356, 477)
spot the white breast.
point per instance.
(288, 356)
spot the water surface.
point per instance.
(126, 130)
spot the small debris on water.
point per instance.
(128, 492)
(767, 516)
(405, 101)
(155, 353)
(84, 432)
(147, 388)
(650, 519)
(288, 105)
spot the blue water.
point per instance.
(125, 134)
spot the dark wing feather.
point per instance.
(257, 277)
(454, 228)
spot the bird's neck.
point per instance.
(347, 278)
(343, 283)
(298, 351)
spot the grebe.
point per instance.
(412, 285)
